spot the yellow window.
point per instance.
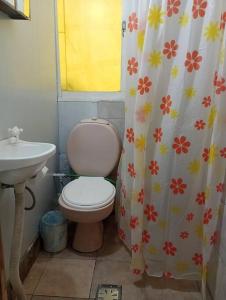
(89, 34)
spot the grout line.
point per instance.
(91, 286)
(42, 273)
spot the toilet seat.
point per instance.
(88, 193)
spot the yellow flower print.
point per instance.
(174, 114)
(176, 210)
(147, 108)
(194, 167)
(140, 142)
(212, 31)
(212, 154)
(140, 39)
(152, 250)
(207, 192)
(155, 17)
(200, 233)
(155, 59)
(212, 116)
(157, 187)
(163, 149)
(175, 71)
(190, 93)
(184, 20)
(162, 224)
(132, 92)
(182, 266)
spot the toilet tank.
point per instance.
(93, 147)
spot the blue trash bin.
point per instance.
(53, 230)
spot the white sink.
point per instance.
(22, 160)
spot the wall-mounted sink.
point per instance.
(22, 160)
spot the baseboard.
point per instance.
(26, 263)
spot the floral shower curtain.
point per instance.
(172, 168)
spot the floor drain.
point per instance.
(109, 292)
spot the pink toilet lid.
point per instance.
(88, 193)
(93, 148)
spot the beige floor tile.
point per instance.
(56, 298)
(113, 248)
(28, 297)
(182, 285)
(177, 295)
(70, 253)
(34, 276)
(115, 272)
(66, 278)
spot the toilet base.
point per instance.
(88, 237)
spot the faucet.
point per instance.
(14, 134)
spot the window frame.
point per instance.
(90, 96)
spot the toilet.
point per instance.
(93, 150)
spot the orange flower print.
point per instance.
(223, 152)
(131, 170)
(166, 104)
(122, 211)
(132, 66)
(154, 167)
(130, 135)
(134, 222)
(214, 238)
(133, 22)
(124, 191)
(199, 8)
(223, 21)
(144, 85)
(193, 61)
(135, 248)
(145, 236)
(184, 235)
(219, 83)
(136, 271)
(200, 124)
(151, 213)
(121, 234)
(169, 248)
(205, 154)
(206, 101)
(167, 275)
(170, 49)
(208, 215)
(140, 198)
(173, 7)
(197, 259)
(190, 217)
(178, 186)
(181, 145)
(158, 135)
(220, 187)
(201, 198)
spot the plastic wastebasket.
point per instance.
(53, 230)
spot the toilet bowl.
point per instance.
(93, 150)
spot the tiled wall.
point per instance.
(71, 112)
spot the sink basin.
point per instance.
(22, 160)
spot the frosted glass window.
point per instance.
(90, 45)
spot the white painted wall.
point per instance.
(28, 99)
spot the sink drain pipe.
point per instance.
(17, 239)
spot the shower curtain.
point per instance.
(172, 169)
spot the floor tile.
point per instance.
(115, 272)
(70, 253)
(66, 278)
(113, 248)
(178, 295)
(34, 276)
(56, 298)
